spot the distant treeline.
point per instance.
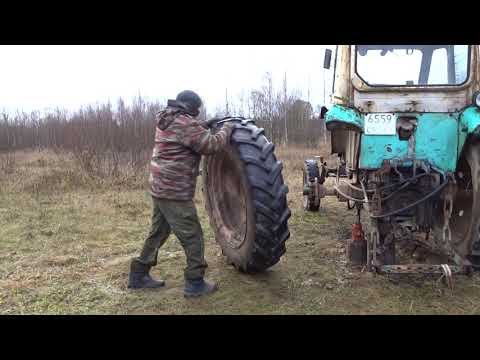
(130, 128)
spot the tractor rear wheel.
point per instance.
(246, 199)
(465, 219)
(310, 173)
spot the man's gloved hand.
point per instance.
(211, 123)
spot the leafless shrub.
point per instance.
(7, 162)
(93, 128)
(287, 119)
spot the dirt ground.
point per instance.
(65, 247)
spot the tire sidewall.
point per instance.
(239, 255)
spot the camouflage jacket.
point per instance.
(180, 140)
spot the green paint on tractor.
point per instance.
(435, 142)
(469, 125)
(439, 137)
(347, 116)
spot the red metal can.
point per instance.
(357, 232)
(357, 246)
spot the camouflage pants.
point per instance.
(179, 217)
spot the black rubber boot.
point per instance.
(199, 287)
(140, 278)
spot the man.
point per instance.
(180, 140)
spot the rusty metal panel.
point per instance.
(339, 141)
(438, 102)
(353, 145)
(342, 92)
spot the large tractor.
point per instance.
(405, 124)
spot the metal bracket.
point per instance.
(447, 274)
(446, 271)
(424, 269)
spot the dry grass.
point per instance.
(66, 241)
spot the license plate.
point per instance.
(380, 124)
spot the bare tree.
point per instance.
(227, 109)
(285, 106)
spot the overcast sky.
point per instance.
(45, 77)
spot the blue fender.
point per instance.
(469, 126)
(344, 117)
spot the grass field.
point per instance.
(66, 241)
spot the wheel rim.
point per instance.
(306, 201)
(462, 218)
(228, 199)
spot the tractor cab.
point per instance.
(405, 122)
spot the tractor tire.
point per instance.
(465, 221)
(310, 172)
(246, 199)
